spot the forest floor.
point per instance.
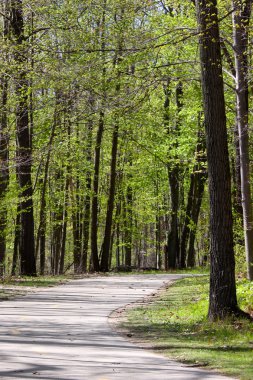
(62, 332)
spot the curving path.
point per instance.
(62, 333)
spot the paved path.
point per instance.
(62, 333)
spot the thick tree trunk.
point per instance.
(222, 301)
(24, 152)
(241, 17)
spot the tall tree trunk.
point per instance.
(77, 225)
(241, 17)
(94, 205)
(24, 151)
(199, 187)
(195, 194)
(104, 266)
(174, 182)
(16, 243)
(87, 200)
(237, 194)
(64, 231)
(57, 220)
(94, 261)
(128, 226)
(173, 237)
(4, 166)
(41, 234)
(222, 301)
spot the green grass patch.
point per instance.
(176, 324)
(37, 281)
(12, 286)
(197, 270)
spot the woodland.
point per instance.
(125, 138)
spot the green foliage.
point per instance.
(119, 57)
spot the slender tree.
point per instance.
(241, 18)
(4, 154)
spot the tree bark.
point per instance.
(41, 234)
(104, 266)
(94, 206)
(241, 17)
(4, 153)
(24, 151)
(128, 226)
(195, 194)
(222, 299)
(174, 182)
(87, 200)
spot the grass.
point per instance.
(37, 281)
(12, 286)
(176, 325)
(197, 270)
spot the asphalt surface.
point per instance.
(63, 333)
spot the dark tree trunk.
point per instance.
(64, 233)
(24, 151)
(16, 254)
(222, 300)
(41, 235)
(118, 212)
(57, 220)
(87, 200)
(77, 226)
(77, 242)
(199, 187)
(186, 227)
(94, 259)
(173, 248)
(128, 226)
(94, 205)
(195, 195)
(104, 266)
(173, 237)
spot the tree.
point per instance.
(222, 301)
(4, 153)
(241, 18)
(24, 137)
